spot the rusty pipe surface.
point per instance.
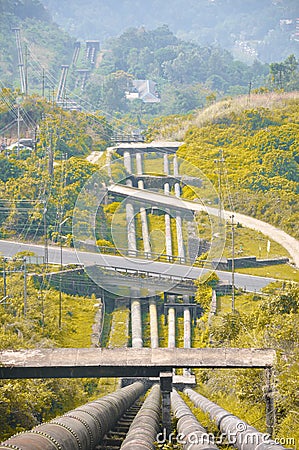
(239, 433)
(79, 429)
(191, 434)
(145, 426)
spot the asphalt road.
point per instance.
(70, 256)
(180, 204)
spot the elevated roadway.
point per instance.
(180, 204)
(249, 283)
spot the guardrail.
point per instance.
(162, 257)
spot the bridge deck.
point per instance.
(124, 362)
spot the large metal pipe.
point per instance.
(179, 225)
(131, 228)
(136, 322)
(179, 235)
(144, 428)
(171, 328)
(139, 170)
(175, 166)
(238, 432)
(127, 162)
(168, 239)
(191, 434)
(153, 323)
(83, 428)
(166, 164)
(187, 328)
(144, 225)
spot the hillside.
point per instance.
(184, 75)
(44, 45)
(250, 29)
(258, 138)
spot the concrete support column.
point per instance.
(179, 226)
(175, 166)
(179, 235)
(166, 189)
(108, 162)
(177, 190)
(131, 229)
(136, 324)
(153, 323)
(187, 329)
(171, 328)
(127, 161)
(168, 240)
(166, 164)
(144, 225)
(139, 164)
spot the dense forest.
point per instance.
(251, 29)
(187, 75)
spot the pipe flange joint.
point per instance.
(47, 436)
(62, 425)
(85, 424)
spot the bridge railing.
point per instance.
(155, 276)
(162, 257)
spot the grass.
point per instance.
(243, 302)
(176, 130)
(280, 272)
(153, 166)
(163, 331)
(251, 243)
(119, 330)
(82, 312)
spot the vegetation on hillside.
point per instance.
(44, 45)
(258, 138)
(46, 180)
(268, 321)
(251, 29)
(25, 403)
(186, 74)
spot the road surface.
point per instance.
(179, 204)
(70, 256)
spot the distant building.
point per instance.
(144, 90)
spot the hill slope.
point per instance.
(46, 44)
(258, 138)
(250, 29)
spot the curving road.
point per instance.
(154, 198)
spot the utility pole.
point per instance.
(46, 236)
(233, 263)
(51, 155)
(4, 285)
(18, 131)
(25, 286)
(26, 70)
(220, 163)
(43, 84)
(249, 91)
(269, 399)
(60, 277)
